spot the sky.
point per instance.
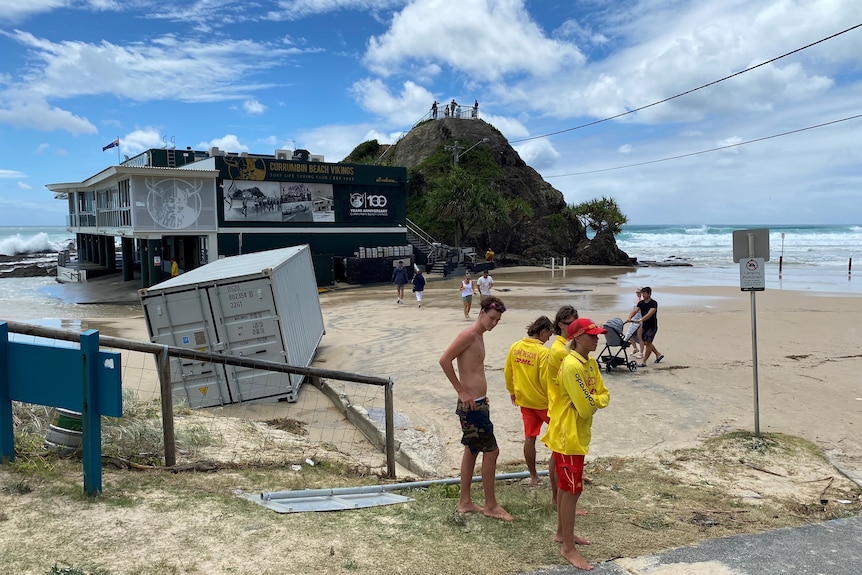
(326, 75)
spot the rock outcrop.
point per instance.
(548, 230)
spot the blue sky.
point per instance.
(325, 75)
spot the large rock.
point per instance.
(601, 250)
(550, 231)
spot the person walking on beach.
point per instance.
(485, 283)
(637, 337)
(399, 278)
(648, 309)
(468, 350)
(467, 291)
(418, 285)
(527, 380)
(581, 393)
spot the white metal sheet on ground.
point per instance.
(341, 502)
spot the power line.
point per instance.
(688, 91)
(707, 151)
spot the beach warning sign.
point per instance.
(752, 275)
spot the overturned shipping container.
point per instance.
(262, 305)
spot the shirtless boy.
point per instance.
(468, 349)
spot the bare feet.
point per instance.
(558, 538)
(469, 508)
(575, 558)
(587, 479)
(535, 481)
(580, 512)
(497, 512)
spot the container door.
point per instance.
(182, 319)
(248, 325)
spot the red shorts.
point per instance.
(570, 472)
(533, 419)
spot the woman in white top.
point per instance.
(467, 292)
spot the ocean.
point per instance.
(808, 257)
(813, 258)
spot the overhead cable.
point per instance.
(688, 91)
(706, 151)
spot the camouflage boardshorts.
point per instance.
(476, 427)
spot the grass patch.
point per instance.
(162, 523)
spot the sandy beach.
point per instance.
(809, 362)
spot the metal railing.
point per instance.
(162, 354)
(436, 249)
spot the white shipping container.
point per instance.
(262, 305)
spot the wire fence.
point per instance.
(337, 416)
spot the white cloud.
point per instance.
(23, 186)
(405, 108)
(335, 142)
(165, 68)
(510, 127)
(483, 40)
(12, 174)
(227, 143)
(538, 154)
(670, 47)
(37, 114)
(253, 107)
(142, 139)
(298, 9)
(625, 149)
(15, 10)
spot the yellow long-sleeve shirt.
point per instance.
(527, 374)
(559, 350)
(582, 392)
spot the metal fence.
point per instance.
(339, 390)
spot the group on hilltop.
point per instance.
(454, 110)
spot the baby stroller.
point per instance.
(615, 338)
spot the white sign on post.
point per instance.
(752, 275)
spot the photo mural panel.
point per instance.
(277, 202)
(180, 204)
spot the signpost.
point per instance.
(751, 251)
(85, 380)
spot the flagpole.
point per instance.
(118, 150)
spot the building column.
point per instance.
(111, 252)
(128, 251)
(154, 250)
(145, 269)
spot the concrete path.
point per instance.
(830, 548)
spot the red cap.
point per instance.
(583, 325)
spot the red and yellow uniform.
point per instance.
(581, 393)
(527, 374)
(558, 352)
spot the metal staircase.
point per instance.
(434, 251)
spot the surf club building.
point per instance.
(197, 206)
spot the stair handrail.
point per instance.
(423, 236)
(436, 249)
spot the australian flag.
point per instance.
(113, 144)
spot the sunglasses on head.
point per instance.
(497, 306)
